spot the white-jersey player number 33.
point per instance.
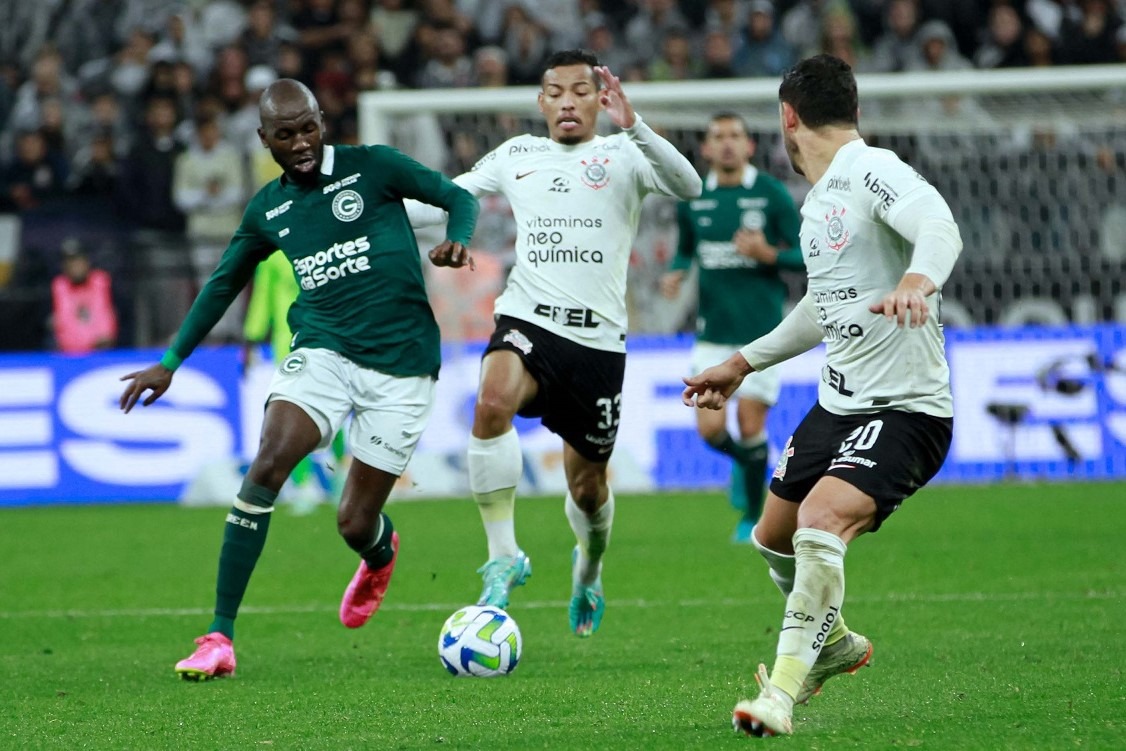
(577, 209)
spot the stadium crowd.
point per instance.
(131, 124)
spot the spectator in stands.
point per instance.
(602, 40)
(726, 16)
(35, 176)
(937, 49)
(24, 32)
(719, 55)
(1038, 48)
(526, 43)
(450, 67)
(1090, 38)
(209, 186)
(146, 175)
(290, 63)
(394, 22)
(126, 70)
(841, 39)
(801, 24)
(676, 61)
(1004, 43)
(762, 51)
(490, 67)
(318, 28)
(48, 80)
(96, 169)
(895, 50)
(82, 312)
(183, 41)
(263, 34)
(654, 19)
(87, 30)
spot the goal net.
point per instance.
(1032, 162)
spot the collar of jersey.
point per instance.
(750, 174)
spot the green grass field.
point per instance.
(997, 615)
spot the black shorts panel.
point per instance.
(887, 455)
(580, 388)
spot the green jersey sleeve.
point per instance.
(788, 222)
(414, 180)
(686, 242)
(246, 249)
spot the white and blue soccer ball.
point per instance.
(480, 640)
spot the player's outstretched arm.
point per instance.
(714, 386)
(672, 174)
(155, 378)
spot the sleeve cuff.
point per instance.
(171, 360)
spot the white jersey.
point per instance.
(577, 209)
(854, 257)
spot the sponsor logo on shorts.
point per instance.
(784, 460)
(347, 206)
(519, 341)
(379, 442)
(582, 318)
(850, 462)
(293, 364)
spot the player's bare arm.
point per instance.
(155, 378)
(712, 388)
(452, 254)
(907, 303)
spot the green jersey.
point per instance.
(354, 255)
(740, 299)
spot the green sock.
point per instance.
(755, 475)
(243, 539)
(380, 553)
(725, 444)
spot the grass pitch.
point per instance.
(997, 616)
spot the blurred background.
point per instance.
(128, 150)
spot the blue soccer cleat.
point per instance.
(500, 576)
(588, 604)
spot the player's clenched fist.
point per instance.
(454, 255)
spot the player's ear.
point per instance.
(262, 138)
(789, 117)
(539, 102)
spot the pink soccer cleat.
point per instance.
(213, 658)
(365, 591)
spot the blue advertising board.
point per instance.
(1046, 404)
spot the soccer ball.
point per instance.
(480, 640)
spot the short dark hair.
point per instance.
(822, 91)
(564, 58)
(730, 115)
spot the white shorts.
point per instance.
(389, 412)
(761, 386)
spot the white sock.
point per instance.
(593, 535)
(812, 608)
(495, 467)
(781, 565)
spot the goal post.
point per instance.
(1032, 162)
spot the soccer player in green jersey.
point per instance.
(742, 230)
(365, 343)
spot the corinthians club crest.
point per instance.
(837, 234)
(596, 175)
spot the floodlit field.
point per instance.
(997, 616)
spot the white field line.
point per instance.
(725, 602)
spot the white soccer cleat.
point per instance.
(767, 715)
(847, 655)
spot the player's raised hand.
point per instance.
(613, 99)
(155, 378)
(713, 387)
(907, 303)
(454, 255)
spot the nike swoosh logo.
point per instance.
(520, 176)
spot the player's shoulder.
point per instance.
(872, 162)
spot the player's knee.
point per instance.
(774, 539)
(493, 414)
(588, 490)
(270, 469)
(844, 523)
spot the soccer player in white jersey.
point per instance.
(878, 243)
(558, 352)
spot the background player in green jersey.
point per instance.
(742, 230)
(365, 343)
